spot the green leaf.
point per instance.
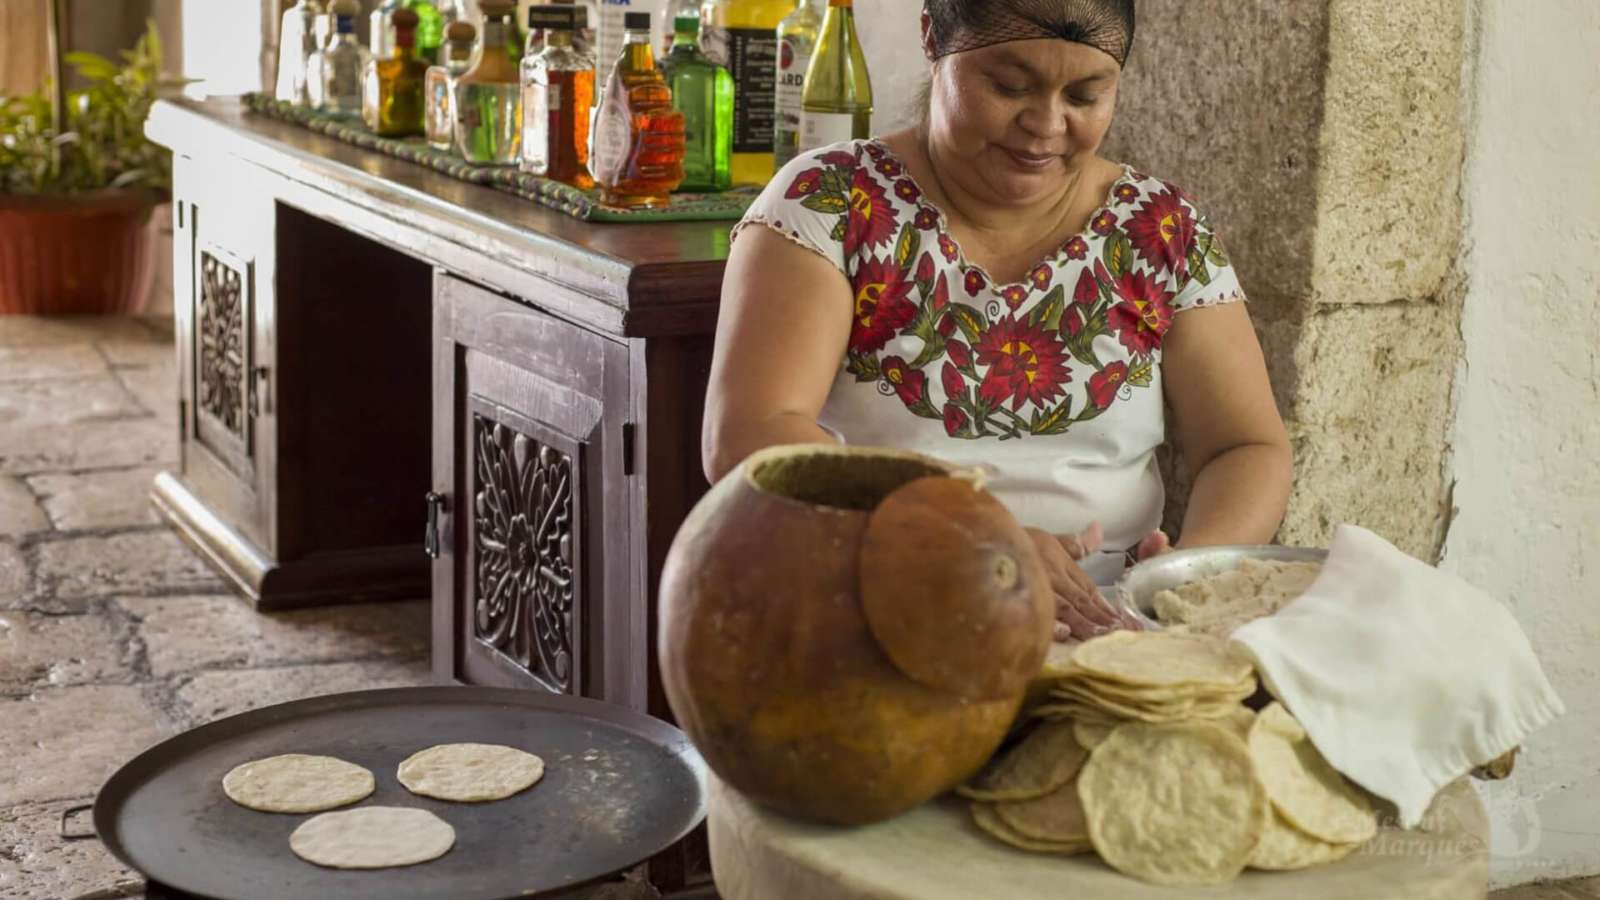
(1197, 266)
(824, 202)
(972, 322)
(905, 250)
(1057, 421)
(839, 229)
(1217, 255)
(834, 182)
(1140, 375)
(1048, 311)
(1118, 253)
(91, 65)
(1082, 348)
(932, 349)
(864, 366)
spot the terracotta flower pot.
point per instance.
(76, 254)
(847, 632)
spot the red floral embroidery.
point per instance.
(1126, 193)
(1162, 231)
(926, 219)
(1144, 314)
(1025, 364)
(837, 158)
(1104, 222)
(954, 384)
(1088, 290)
(871, 221)
(804, 184)
(907, 191)
(881, 305)
(890, 166)
(1041, 277)
(947, 247)
(1078, 248)
(925, 267)
(1014, 294)
(941, 294)
(974, 282)
(909, 383)
(955, 420)
(947, 325)
(1103, 385)
(960, 354)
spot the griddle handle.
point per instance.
(68, 813)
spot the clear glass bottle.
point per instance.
(344, 62)
(432, 17)
(638, 158)
(703, 92)
(797, 38)
(838, 95)
(749, 30)
(677, 9)
(557, 96)
(488, 97)
(297, 40)
(392, 101)
(439, 117)
(611, 27)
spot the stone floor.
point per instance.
(113, 636)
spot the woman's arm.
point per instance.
(1228, 426)
(783, 328)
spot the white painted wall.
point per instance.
(222, 46)
(1527, 432)
(891, 36)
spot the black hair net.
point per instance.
(957, 25)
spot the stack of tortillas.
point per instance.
(1147, 756)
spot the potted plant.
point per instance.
(79, 183)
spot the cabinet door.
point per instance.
(226, 423)
(530, 588)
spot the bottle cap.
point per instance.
(491, 8)
(346, 8)
(551, 17)
(403, 18)
(686, 24)
(636, 21)
(460, 32)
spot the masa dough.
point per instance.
(1220, 603)
(372, 837)
(469, 773)
(296, 783)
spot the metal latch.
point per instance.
(430, 537)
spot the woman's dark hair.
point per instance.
(957, 25)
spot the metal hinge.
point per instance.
(430, 536)
(627, 447)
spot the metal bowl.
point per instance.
(1135, 591)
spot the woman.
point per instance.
(985, 288)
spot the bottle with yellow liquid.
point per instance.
(743, 36)
(837, 102)
(392, 100)
(639, 136)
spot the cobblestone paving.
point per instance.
(113, 635)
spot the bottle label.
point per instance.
(821, 129)
(536, 102)
(612, 140)
(794, 57)
(753, 62)
(714, 44)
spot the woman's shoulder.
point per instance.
(1136, 186)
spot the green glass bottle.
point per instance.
(837, 102)
(703, 92)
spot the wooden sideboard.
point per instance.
(393, 383)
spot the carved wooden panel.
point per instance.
(526, 550)
(220, 332)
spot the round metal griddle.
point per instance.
(618, 787)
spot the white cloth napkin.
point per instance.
(1405, 677)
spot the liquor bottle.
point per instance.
(432, 17)
(677, 9)
(611, 27)
(639, 141)
(582, 35)
(749, 30)
(488, 97)
(837, 102)
(557, 96)
(797, 37)
(297, 40)
(392, 103)
(344, 61)
(439, 117)
(703, 92)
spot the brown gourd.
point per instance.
(847, 632)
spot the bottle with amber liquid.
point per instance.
(438, 87)
(488, 97)
(639, 140)
(392, 100)
(557, 97)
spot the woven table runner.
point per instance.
(726, 206)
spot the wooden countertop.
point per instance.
(629, 280)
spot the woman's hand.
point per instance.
(1081, 613)
(1153, 544)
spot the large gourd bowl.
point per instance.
(848, 632)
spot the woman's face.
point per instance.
(1015, 122)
